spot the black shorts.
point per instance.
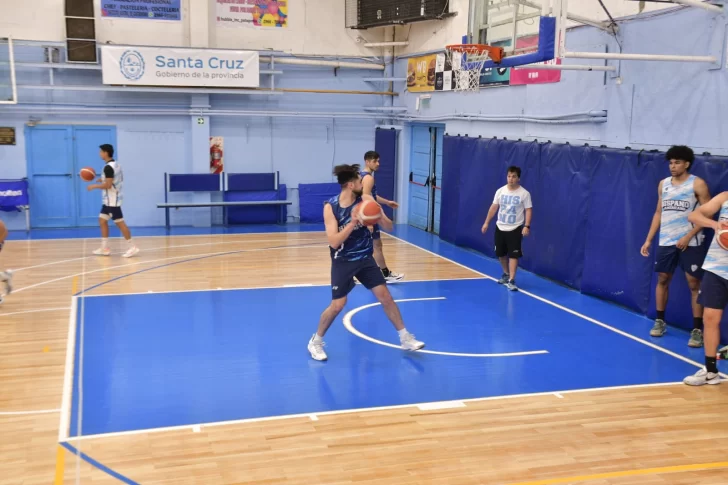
(343, 274)
(508, 243)
(113, 213)
(690, 260)
(713, 291)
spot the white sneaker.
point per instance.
(317, 349)
(7, 278)
(702, 377)
(103, 252)
(393, 277)
(409, 342)
(132, 251)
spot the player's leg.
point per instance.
(104, 217)
(6, 277)
(342, 282)
(118, 218)
(369, 275)
(514, 240)
(691, 261)
(666, 261)
(389, 276)
(501, 252)
(714, 297)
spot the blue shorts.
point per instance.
(375, 233)
(113, 213)
(713, 291)
(343, 274)
(690, 260)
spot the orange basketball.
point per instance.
(722, 236)
(87, 174)
(370, 212)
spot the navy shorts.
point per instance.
(690, 260)
(713, 291)
(113, 213)
(343, 274)
(376, 234)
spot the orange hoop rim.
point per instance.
(469, 47)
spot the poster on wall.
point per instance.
(429, 73)
(142, 9)
(520, 76)
(252, 13)
(217, 164)
(161, 66)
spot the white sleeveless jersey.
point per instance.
(678, 201)
(114, 196)
(716, 261)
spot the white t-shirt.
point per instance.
(513, 205)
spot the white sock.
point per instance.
(104, 243)
(130, 242)
(402, 332)
(317, 338)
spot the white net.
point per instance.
(466, 63)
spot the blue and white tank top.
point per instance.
(678, 201)
(359, 244)
(716, 261)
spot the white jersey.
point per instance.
(513, 205)
(716, 261)
(678, 201)
(114, 195)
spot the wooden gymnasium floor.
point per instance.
(657, 432)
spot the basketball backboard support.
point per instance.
(8, 85)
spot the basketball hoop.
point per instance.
(467, 60)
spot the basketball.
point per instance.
(87, 174)
(722, 236)
(370, 212)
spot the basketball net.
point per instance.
(466, 61)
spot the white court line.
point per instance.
(34, 311)
(65, 425)
(569, 310)
(350, 327)
(558, 395)
(96, 238)
(413, 406)
(27, 413)
(276, 287)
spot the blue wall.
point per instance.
(304, 150)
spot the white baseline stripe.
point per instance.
(65, 424)
(34, 311)
(25, 413)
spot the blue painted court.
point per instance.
(171, 359)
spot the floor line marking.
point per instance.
(60, 465)
(558, 395)
(65, 422)
(573, 312)
(35, 311)
(350, 327)
(99, 465)
(314, 417)
(28, 413)
(412, 406)
(629, 473)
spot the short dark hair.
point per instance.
(346, 173)
(681, 152)
(108, 149)
(371, 155)
(514, 169)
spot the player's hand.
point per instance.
(720, 226)
(645, 250)
(98, 180)
(682, 244)
(526, 232)
(355, 214)
(393, 204)
(90, 187)
(484, 228)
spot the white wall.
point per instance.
(316, 27)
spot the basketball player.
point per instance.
(371, 162)
(714, 287)
(112, 183)
(6, 277)
(513, 205)
(351, 248)
(681, 242)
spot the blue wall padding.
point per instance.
(311, 198)
(385, 143)
(592, 211)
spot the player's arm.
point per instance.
(335, 237)
(655, 225)
(703, 195)
(106, 185)
(384, 221)
(491, 212)
(703, 216)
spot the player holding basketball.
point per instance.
(681, 242)
(513, 205)
(112, 183)
(714, 287)
(351, 247)
(371, 162)
(6, 277)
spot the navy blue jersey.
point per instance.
(359, 243)
(363, 174)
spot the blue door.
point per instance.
(437, 180)
(419, 177)
(86, 142)
(56, 153)
(50, 165)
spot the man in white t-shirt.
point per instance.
(512, 203)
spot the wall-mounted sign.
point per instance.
(142, 9)
(7, 136)
(252, 13)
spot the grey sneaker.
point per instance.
(701, 378)
(659, 329)
(511, 285)
(696, 338)
(7, 278)
(504, 279)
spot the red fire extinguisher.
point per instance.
(215, 158)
